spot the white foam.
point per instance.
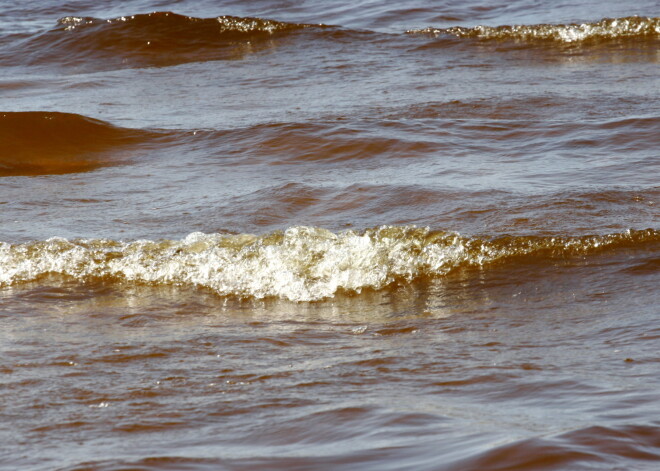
(605, 29)
(299, 264)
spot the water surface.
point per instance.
(329, 235)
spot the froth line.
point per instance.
(607, 29)
(299, 264)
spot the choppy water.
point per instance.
(329, 235)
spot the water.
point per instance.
(329, 235)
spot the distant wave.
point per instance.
(172, 26)
(153, 39)
(165, 38)
(299, 264)
(40, 143)
(632, 27)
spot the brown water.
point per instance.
(329, 235)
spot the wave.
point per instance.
(153, 39)
(323, 141)
(45, 143)
(299, 264)
(162, 39)
(598, 446)
(608, 29)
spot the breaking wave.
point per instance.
(152, 39)
(162, 39)
(608, 29)
(299, 264)
(46, 143)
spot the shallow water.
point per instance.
(329, 235)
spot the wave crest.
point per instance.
(299, 264)
(167, 24)
(632, 27)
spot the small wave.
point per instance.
(153, 39)
(321, 141)
(633, 27)
(299, 264)
(167, 24)
(41, 143)
(596, 447)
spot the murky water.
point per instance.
(329, 235)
